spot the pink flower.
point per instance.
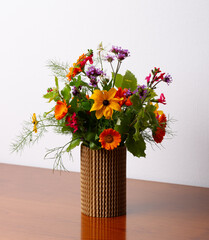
(72, 122)
(162, 99)
(148, 78)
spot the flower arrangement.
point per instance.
(101, 111)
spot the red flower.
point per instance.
(128, 102)
(89, 58)
(160, 131)
(121, 93)
(72, 122)
(162, 99)
(79, 65)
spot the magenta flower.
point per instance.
(72, 122)
(162, 99)
(148, 78)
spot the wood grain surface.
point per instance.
(38, 204)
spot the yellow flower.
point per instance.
(157, 112)
(105, 103)
(35, 122)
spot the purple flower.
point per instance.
(115, 50)
(128, 93)
(141, 89)
(121, 56)
(109, 58)
(168, 79)
(76, 90)
(120, 53)
(93, 82)
(93, 73)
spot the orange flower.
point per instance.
(78, 66)
(160, 131)
(61, 109)
(121, 93)
(110, 139)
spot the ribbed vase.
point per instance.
(103, 182)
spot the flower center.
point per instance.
(106, 103)
(108, 138)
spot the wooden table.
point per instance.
(37, 204)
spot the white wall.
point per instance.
(170, 34)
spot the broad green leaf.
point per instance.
(137, 148)
(90, 136)
(86, 106)
(78, 81)
(66, 93)
(137, 105)
(51, 96)
(94, 146)
(118, 80)
(74, 143)
(129, 81)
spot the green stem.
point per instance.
(116, 72)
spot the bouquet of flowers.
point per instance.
(98, 110)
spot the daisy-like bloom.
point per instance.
(110, 139)
(160, 131)
(162, 99)
(105, 102)
(35, 122)
(61, 109)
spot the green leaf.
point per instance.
(56, 82)
(74, 143)
(118, 80)
(78, 81)
(86, 106)
(51, 95)
(137, 104)
(90, 136)
(94, 146)
(129, 81)
(137, 148)
(66, 93)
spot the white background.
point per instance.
(170, 34)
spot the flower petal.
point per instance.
(96, 106)
(111, 93)
(108, 112)
(97, 95)
(99, 113)
(114, 105)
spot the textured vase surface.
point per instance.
(103, 182)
